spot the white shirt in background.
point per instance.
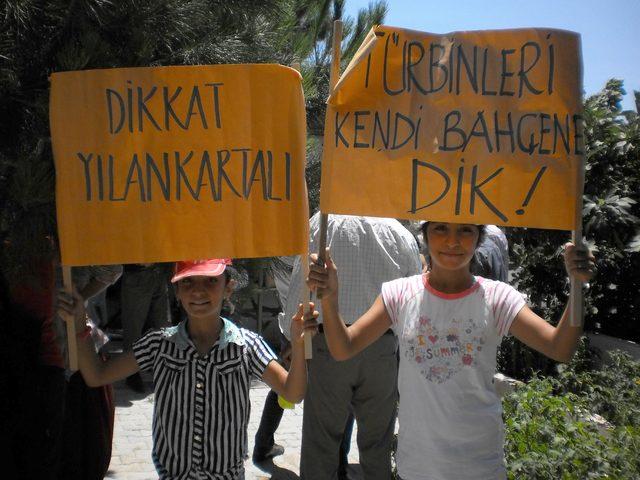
(367, 251)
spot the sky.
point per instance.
(610, 29)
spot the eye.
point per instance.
(212, 280)
(467, 229)
(440, 227)
(185, 282)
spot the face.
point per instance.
(202, 296)
(451, 245)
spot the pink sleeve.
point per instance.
(506, 303)
(392, 294)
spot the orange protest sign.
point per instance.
(469, 127)
(169, 163)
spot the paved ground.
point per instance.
(131, 456)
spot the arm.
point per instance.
(345, 342)
(560, 342)
(94, 287)
(95, 371)
(100, 277)
(292, 385)
(292, 299)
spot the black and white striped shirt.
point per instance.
(201, 407)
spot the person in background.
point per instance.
(371, 251)
(449, 324)
(41, 389)
(265, 447)
(144, 303)
(89, 412)
(32, 379)
(202, 369)
(491, 259)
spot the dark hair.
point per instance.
(481, 233)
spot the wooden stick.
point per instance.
(70, 321)
(305, 295)
(322, 241)
(333, 80)
(575, 296)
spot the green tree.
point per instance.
(307, 37)
(611, 211)
(611, 228)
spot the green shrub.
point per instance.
(612, 391)
(548, 435)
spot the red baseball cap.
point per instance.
(207, 268)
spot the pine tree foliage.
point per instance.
(307, 37)
(40, 37)
(311, 36)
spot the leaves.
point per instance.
(549, 431)
(607, 214)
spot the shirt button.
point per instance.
(199, 385)
(197, 438)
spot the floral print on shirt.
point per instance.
(440, 353)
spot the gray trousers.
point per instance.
(143, 302)
(368, 382)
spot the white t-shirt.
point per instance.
(450, 415)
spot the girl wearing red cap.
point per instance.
(449, 325)
(202, 370)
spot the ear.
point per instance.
(230, 287)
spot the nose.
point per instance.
(197, 288)
(453, 239)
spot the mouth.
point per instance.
(200, 303)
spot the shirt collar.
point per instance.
(230, 333)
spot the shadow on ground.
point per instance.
(124, 396)
(275, 472)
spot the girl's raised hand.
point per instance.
(71, 305)
(579, 262)
(304, 323)
(323, 279)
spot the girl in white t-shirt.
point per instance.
(449, 324)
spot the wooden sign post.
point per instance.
(576, 304)
(333, 80)
(72, 344)
(305, 294)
